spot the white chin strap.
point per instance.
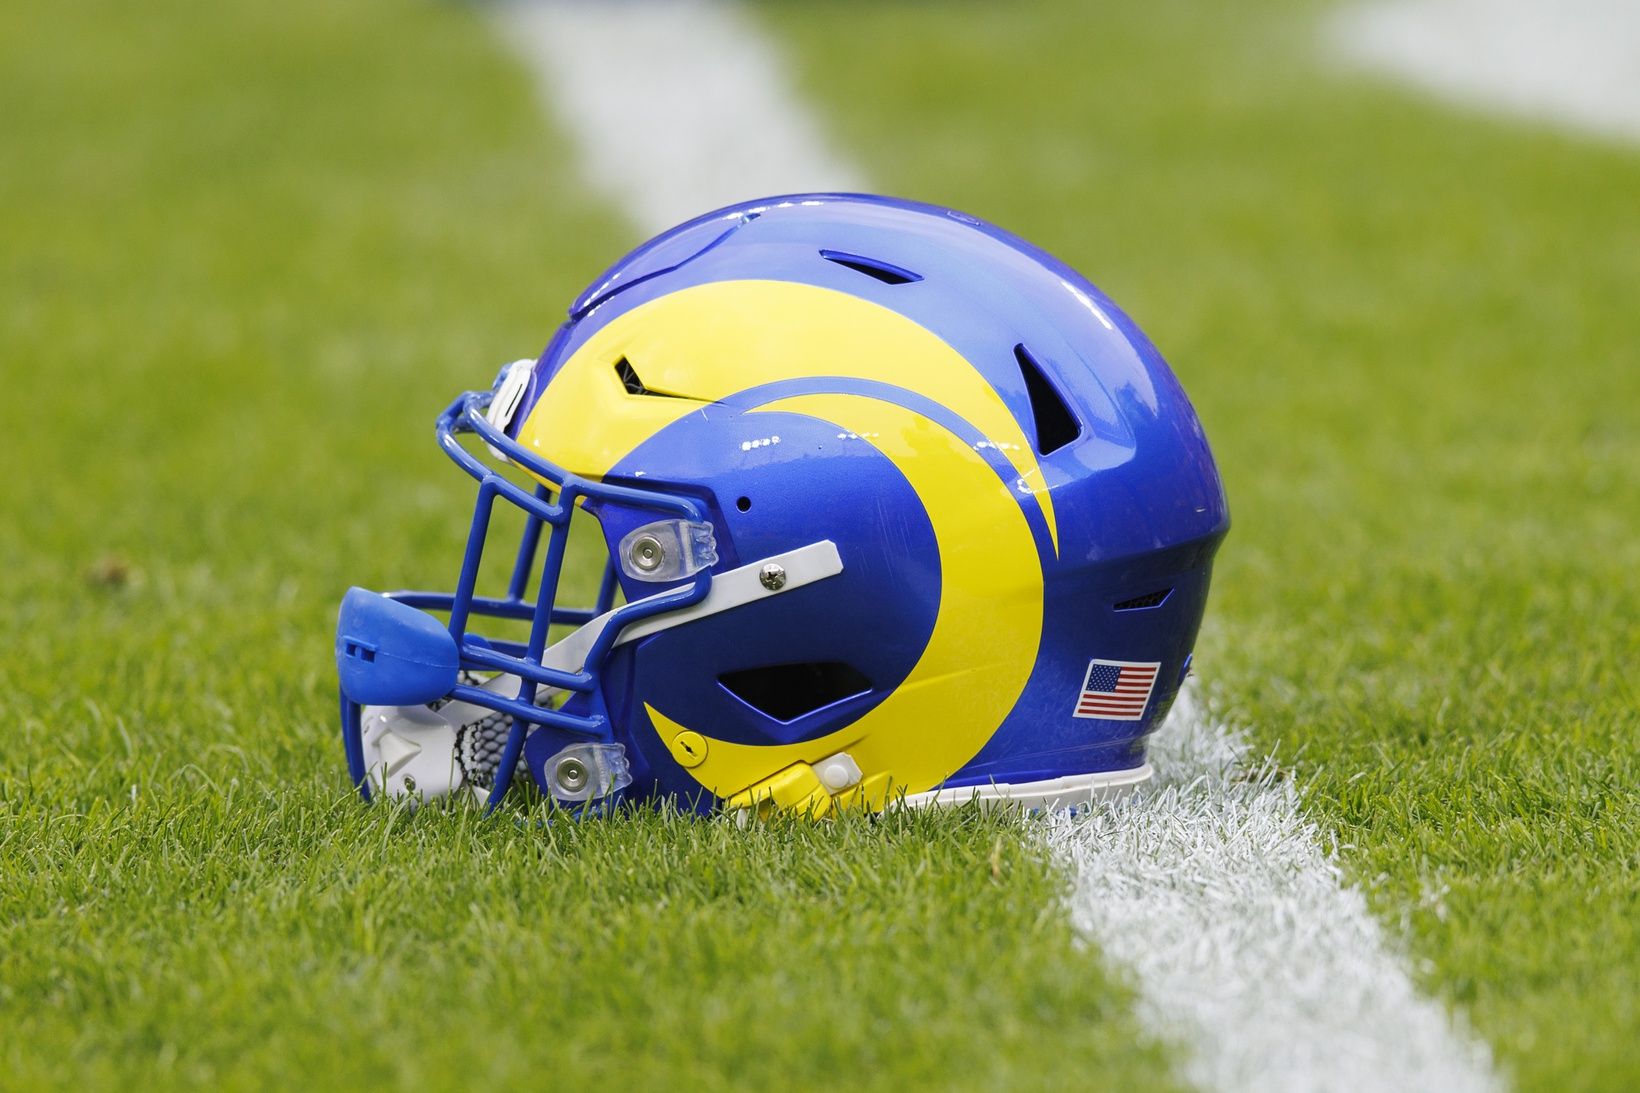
(435, 751)
(429, 752)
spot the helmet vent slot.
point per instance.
(1056, 426)
(786, 692)
(1140, 603)
(883, 271)
(635, 386)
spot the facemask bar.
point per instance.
(524, 660)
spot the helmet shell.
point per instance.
(720, 360)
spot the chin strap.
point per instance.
(435, 750)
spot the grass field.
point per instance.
(1411, 334)
(247, 253)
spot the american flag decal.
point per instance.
(1117, 690)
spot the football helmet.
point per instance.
(893, 506)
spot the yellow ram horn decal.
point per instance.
(698, 343)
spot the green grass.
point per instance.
(245, 256)
(1411, 333)
(253, 934)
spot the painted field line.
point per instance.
(677, 107)
(1570, 62)
(1247, 951)
(1246, 947)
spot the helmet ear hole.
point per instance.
(744, 504)
(786, 692)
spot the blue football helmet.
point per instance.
(896, 507)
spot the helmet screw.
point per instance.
(646, 553)
(773, 577)
(571, 775)
(409, 783)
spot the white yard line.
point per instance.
(1215, 892)
(1245, 946)
(676, 107)
(1569, 62)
